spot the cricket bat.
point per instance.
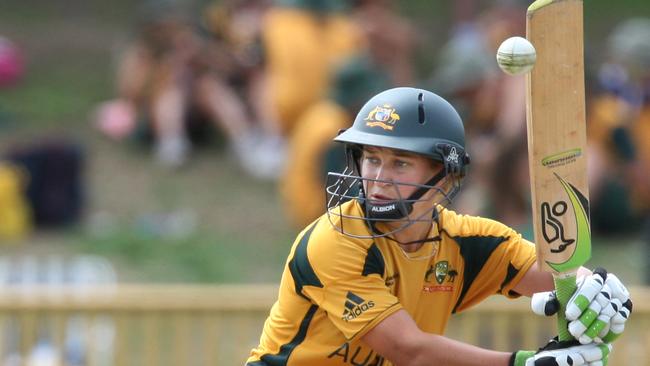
(557, 144)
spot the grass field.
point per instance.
(234, 228)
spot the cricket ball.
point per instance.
(516, 56)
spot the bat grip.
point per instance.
(565, 286)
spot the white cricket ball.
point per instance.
(516, 56)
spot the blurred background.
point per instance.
(186, 142)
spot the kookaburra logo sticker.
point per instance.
(553, 230)
(555, 233)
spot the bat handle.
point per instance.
(565, 286)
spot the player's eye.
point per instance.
(371, 160)
(401, 163)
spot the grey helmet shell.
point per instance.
(412, 120)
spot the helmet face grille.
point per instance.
(347, 186)
(406, 119)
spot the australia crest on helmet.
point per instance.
(383, 116)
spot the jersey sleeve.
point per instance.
(352, 290)
(495, 259)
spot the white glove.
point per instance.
(569, 353)
(596, 312)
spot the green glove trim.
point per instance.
(605, 350)
(519, 358)
(610, 337)
(582, 302)
(588, 317)
(595, 328)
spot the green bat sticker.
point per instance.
(582, 251)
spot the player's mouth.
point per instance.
(380, 198)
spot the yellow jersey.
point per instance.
(335, 288)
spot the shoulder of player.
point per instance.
(461, 225)
(325, 238)
(325, 247)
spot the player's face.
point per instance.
(382, 168)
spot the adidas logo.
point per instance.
(355, 306)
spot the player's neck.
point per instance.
(417, 231)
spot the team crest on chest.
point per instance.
(383, 116)
(442, 268)
(443, 275)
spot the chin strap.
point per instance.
(399, 209)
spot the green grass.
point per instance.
(35, 102)
(201, 257)
(238, 232)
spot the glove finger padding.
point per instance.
(599, 308)
(623, 313)
(588, 288)
(600, 327)
(545, 303)
(589, 324)
(617, 324)
(618, 290)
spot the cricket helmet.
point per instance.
(411, 120)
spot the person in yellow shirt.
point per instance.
(311, 152)
(303, 41)
(375, 279)
(619, 128)
(618, 131)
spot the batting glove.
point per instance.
(565, 353)
(596, 312)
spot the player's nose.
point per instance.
(383, 176)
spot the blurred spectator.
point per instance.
(618, 133)
(174, 85)
(311, 152)
(15, 214)
(391, 39)
(52, 171)
(492, 105)
(303, 40)
(12, 68)
(236, 26)
(11, 63)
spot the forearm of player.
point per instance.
(399, 340)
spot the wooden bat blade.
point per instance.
(557, 135)
(557, 142)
